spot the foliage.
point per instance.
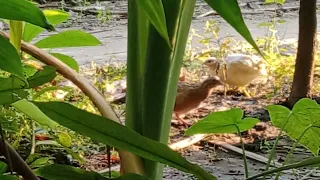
(229, 121)
(68, 38)
(10, 60)
(61, 172)
(75, 119)
(157, 37)
(302, 123)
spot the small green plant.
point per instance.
(104, 16)
(229, 121)
(302, 124)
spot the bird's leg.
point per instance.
(181, 121)
(246, 93)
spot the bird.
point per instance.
(190, 95)
(241, 69)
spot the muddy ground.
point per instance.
(225, 164)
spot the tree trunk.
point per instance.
(303, 75)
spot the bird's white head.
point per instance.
(212, 63)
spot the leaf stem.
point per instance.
(293, 148)
(276, 143)
(243, 153)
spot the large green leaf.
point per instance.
(230, 11)
(9, 58)
(11, 83)
(23, 10)
(34, 113)
(41, 162)
(8, 177)
(54, 17)
(63, 172)
(47, 74)
(10, 96)
(304, 114)
(69, 38)
(3, 167)
(223, 122)
(107, 131)
(16, 28)
(155, 13)
(11, 90)
(67, 60)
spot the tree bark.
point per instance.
(303, 75)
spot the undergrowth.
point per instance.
(280, 57)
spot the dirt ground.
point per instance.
(225, 164)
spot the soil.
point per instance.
(223, 163)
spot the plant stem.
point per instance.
(276, 143)
(33, 138)
(18, 164)
(6, 152)
(243, 153)
(293, 148)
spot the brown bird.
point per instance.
(189, 96)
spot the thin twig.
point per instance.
(33, 138)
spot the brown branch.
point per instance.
(18, 163)
(130, 163)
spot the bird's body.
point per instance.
(241, 69)
(189, 96)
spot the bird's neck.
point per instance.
(206, 91)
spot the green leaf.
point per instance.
(11, 96)
(305, 112)
(70, 38)
(48, 142)
(223, 122)
(34, 113)
(51, 88)
(155, 13)
(63, 172)
(29, 71)
(67, 60)
(41, 162)
(11, 83)
(32, 157)
(41, 77)
(9, 58)
(281, 2)
(64, 139)
(23, 10)
(54, 17)
(11, 90)
(16, 28)
(3, 167)
(109, 132)
(75, 156)
(230, 11)
(8, 177)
